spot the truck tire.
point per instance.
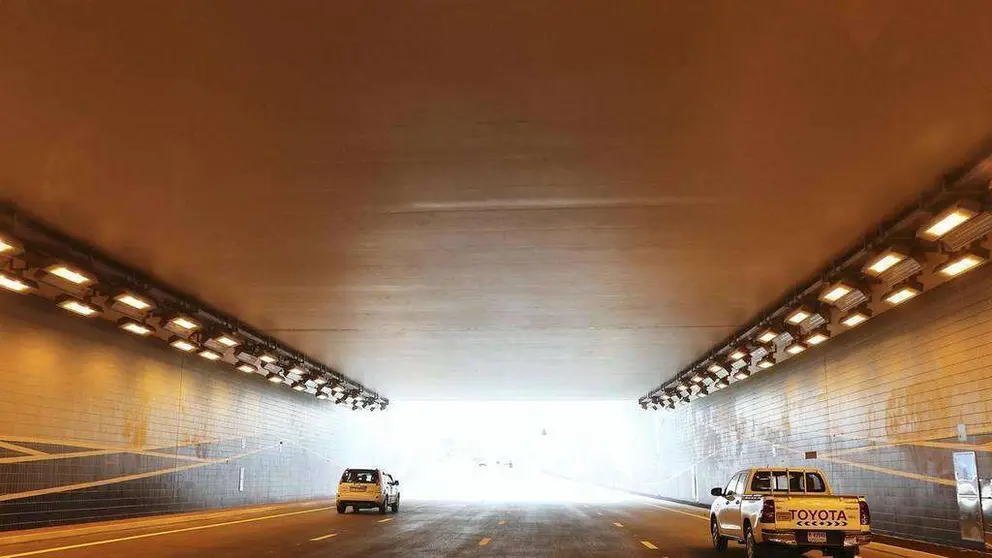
(382, 507)
(751, 548)
(342, 508)
(395, 506)
(719, 541)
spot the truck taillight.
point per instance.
(768, 511)
(865, 514)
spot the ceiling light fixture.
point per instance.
(902, 293)
(795, 348)
(74, 276)
(856, 317)
(209, 355)
(268, 359)
(134, 326)
(132, 300)
(182, 324)
(16, 284)
(737, 354)
(766, 362)
(714, 368)
(884, 261)
(10, 247)
(77, 306)
(798, 315)
(246, 368)
(274, 378)
(836, 291)
(961, 263)
(949, 219)
(767, 336)
(817, 337)
(322, 396)
(183, 345)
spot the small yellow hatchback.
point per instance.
(368, 488)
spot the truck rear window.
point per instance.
(356, 476)
(791, 481)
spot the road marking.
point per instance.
(484, 541)
(620, 525)
(380, 521)
(649, 545)
(502, 522)
(696, 515)
(160, 533)
(315, 539)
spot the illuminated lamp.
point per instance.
(714, 368)
(856, 317)
(836, 291)
(209, 355)
(949, 219)
(274, 378)
(70, 274)
(766, 362)
(134, 326)
(9, 246)
(322, 396)
(798, 315)
(226, 340)
(267, 358)
(737, 354)
(245, 367)
(132, 301)
(902, 293)
(298, 370)
(298, 386)
(768, 335)
(183, 345)
(77, 306)
(884, 261)
(960, 263)
(795, 348)
(180, 323)
(697, 377)
(818, 336)
(16, 283)
(319, 380)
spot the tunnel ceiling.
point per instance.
(486, 200)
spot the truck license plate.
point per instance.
(816, 537)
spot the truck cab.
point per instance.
(790, 508)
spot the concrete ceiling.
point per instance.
(533, 199)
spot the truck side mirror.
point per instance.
(717, 492)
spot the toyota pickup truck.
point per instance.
(770, 508)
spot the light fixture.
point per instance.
(132, 300)
(902, 293)
(737, 354)
(766, 362)
(74, 276)
(767, 336)
(714, 368)
(883, 261)
(817, 337)
(274, 378)
(795, 348)
(836, 291)
(10, 247)
(246, 368)
(209, 355)
(77, 306)
(298, 370)
(741, 375)
(267, 358)
(298, 386)
(183, 345)
(16, 284)
(226, 340)
(961, 263)
(856, 317)
(181, 324)
(134, 326)
(798, 315)
(948, 220)
(322, 396)
(319, 380)
(697, 378)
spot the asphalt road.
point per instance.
(433, 529)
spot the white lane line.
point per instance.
(620, 525)
(315, 539)
(388, 519)
(484, 541)
(696, 515)
(648, 544)
(898, 551)
(160, 533)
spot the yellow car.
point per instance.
(368, 488)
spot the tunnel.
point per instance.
(473, 278)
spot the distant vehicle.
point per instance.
(769, 508)
(368, 488)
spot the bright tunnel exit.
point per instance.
(511, 451)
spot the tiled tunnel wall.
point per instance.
(95, 424)
(884, 406)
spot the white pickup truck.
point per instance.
(769, 508)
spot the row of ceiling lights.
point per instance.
(956, 232)
(80, 292)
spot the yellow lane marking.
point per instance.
(160, 533)
(620, 525)
(696, 515)
(380, 521)
(502, 522)
(21, 449)
(315, 539)
(649, 545)
(484, 541)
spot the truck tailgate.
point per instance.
(817, 512)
